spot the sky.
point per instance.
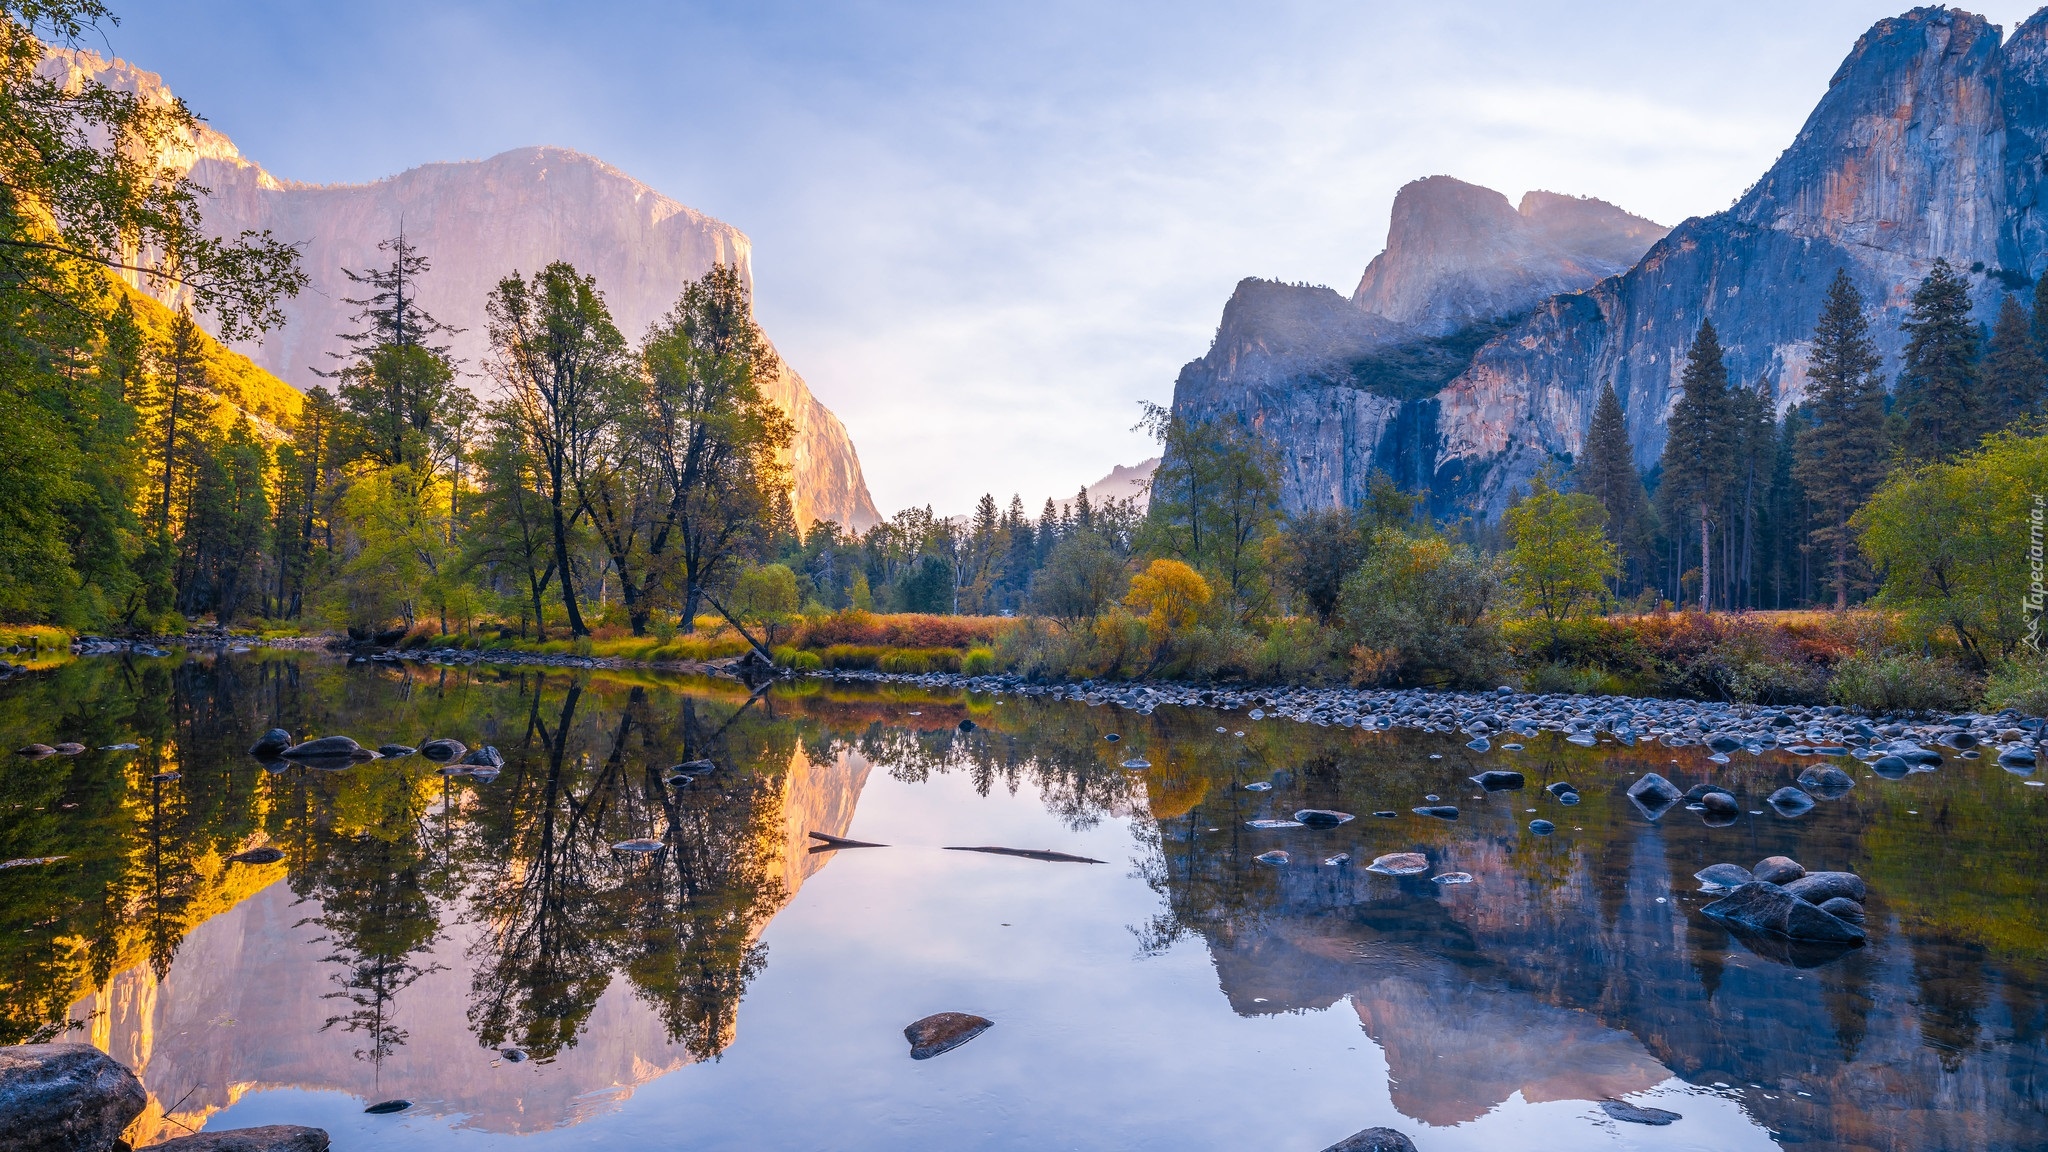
(984, 233)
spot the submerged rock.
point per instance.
(261, 855)
(1269, 824)
(1722, 877)
(943, 1032)
(1399, 864)
(1373, 1140)
(1769, 909)
(1339, 858)
(1789, 802)
(387, 1107)
(271, 744)
(1820, 887)
(1258, 786)
(268, 1138)
(1276, 856)
(1498, 780)
(1136, 763)
(1440, 811)
(1452, 878)
(64, 1098)
(443, 749)
(1323, 817)
(1633, 1114)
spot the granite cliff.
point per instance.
(478, 220)
(1931, 141)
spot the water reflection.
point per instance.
(420, 923)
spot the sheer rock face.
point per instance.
(477, 221)
(1930, 142)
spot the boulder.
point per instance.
(1622, 1110)
(271, 744)
(1891, 767)
(1720, 804)
(1789, 801)
(443, 749)
(1826, 780)
(1498, 780)
(1821, 887)
(1723, 877)
(1440, 811)
(1560, 789)
(269, 1138)
(64, 1098)
(1778, 870)
(1768, 909)
(2016, 758)
(943, 1032)
(484, 757)
(325, 748)
(1373, 1140)
(1654, 790)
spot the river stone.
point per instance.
(325, 748)
(1323, 817)
(395, 751)
(443, 749)
(1720, 804)
(1769, 909)
(1498, 780)
(1844, 909)
(1820, 887)
(1722, 877)
(268, 1138)
(1276, 857)
(967, 725)
(2016, 758)
(943, 1032)
(1778, 870)
(1542, 827)
(1373, 1140)
(1724, 742)
(1789, 801)
(1892, 767)
(484, 757)
(263, 855)
(1560, 789)
(1440, 811)
(1826, 779)
(1399, 864)
(64, 1098)
(35, 751)
(270, 744)
(387, 1107)
(1699, 792)
(1633, 1114)
(1653, 790)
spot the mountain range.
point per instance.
(476, 221)
(1475, 345)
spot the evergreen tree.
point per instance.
(1607, 472)
(1695, 455)
(1785, 517)
(2015, 378)
(1842, 454)
(1752, 434)
(1937, 398)
(183, 405)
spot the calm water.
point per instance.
(737, 990)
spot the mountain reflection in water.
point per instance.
(420, 923)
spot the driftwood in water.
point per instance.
(1032, 854)
(834, 842)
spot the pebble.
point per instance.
(1258, 786)
(1137, 763)
(386, 1107)
(1273, 824)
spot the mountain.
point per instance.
(477, 220)
(1126, 482)
(1928, 143)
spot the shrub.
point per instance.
(1170, 595)
(2021, 685)
(806, 662)
(917, 661)
(1901, 683)
(1418, 612)
(902, 630)
(765, 592)
(978, 662)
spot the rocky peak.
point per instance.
(1458, 253)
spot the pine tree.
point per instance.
(183, 405)
(1607, 472)
(1938, 384)
(1695, 453)
(1752, 433)
(1785, 519)
(2015, 378)
(1841, 456)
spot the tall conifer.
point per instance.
(2014, 378)
(1841, 454)
(1607, 472)
(1695, 453)
(1937, 399)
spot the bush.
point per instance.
(978, 662)
(765, 592)
(1419, 612)
(902, 630)
(2021, 685)
(806, 662)
(1902, 684)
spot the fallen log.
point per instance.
(1031, 854)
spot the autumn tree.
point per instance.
(1215, 499)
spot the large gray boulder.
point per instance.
(1374, 1140)
(64, 1098)
(268, 1138)
(1768, 909)
(1821, 887)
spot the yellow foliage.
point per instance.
(247, 389)
(1170, 594)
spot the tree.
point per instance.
(1215, 499)
(1937, 399)
(556, 352)
(1419, 612)
(716, 439)
(1607, 472)
(1081, 577)
(1842, 453)
(514, 525)
(1696, 452)
(1170, 595)
(2015, 377)
(1560, 559)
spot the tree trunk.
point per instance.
(1706, 564)
(561, 532)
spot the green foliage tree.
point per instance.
(1843, 451)
(1607, 472)
(1937, 404)
(1083, 575)
(1215, 500)
(1419, 611)
(1559, 560)
(1696, 454)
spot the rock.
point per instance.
(443, 749)
(395, 751)
(1767, 908)
(1789, 801)
(325, 748)
(1452, 878)
(943, 1032)
(2016, 758)
(1276, 856)
(1112, 737)
(1699, 792)
(387, 1107)
(1778, 870)
(1722, 877)
(1560, 789)
(64, 1098)
(1374, 1139)
(1267, 824)
(1827, 780)
(1568, 798)
(1498, 780)
(1399, 864)
(1893, 767)
(68, 748)
(35, 751)
(269, 1138)
(271, 744)
(484, 757)
(1724, 742)
(262, 855)
(1440, 811)
(1820, 887)
(513, 1055)
(1844, 909)
(1653, 790)
(1479, 744)
(967, 726)
(639, 845)
(1720, 804)
(1323, 817)
(1542, 827)
(1621, 1110)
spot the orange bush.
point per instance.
(899, 630)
